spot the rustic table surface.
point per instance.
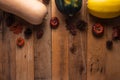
(51, 58)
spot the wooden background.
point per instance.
(50, 58)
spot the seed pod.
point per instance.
(54, 22)
(97, 30)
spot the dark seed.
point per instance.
(91, 67)
(28, 33)
(81, 69)
(73, 49)
(116, 33)
(109, 44)
(101, 70)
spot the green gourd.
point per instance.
(69, 7)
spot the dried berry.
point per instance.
(73, 32)
(97, 30)
(81, 25)
(28, 33)
(16, 28)
(54, 22)
(116, 33)
(10, 20)
(72, 29)
(46, 1)
(72, 25)
(20, 42)
(109, 44)
(39, 34)
(13, 28)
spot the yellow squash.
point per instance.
(104, 8)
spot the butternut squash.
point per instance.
(32, 11)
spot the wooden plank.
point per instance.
(42, 50)
(67, 65)
(16, 63)
(53, 57)
(1, 47)
(77, 59)
(112, 56)
(10, 39)
(7, 53)
(96, 53)
(25, 59)
(59, 48)
(102, 64)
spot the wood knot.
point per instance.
(81, 69)
(73, 49)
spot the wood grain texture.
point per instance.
(51, 58)
(42, 50)
(25, 60)
(112, 59)
(67, 65)
(7, 54)
(77, 59)
(102, 64)
(96, 53)
(16, 63)
(59, 48)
